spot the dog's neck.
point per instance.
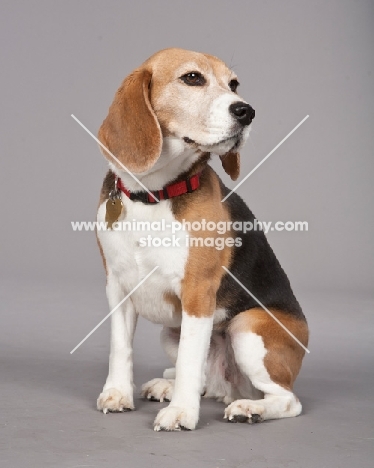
(177, 159)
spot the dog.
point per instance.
(166, 120)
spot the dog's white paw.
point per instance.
(158, 390)
(244, 411)
(113, 400)
(175, 418)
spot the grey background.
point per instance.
(293, 58)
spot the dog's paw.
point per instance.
(176, 418)
(244, 411)
(114, 401)
(158, 390)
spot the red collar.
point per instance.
(169, 191)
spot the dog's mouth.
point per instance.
(237, 136)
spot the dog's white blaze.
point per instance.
(220, 120)
(201, 113)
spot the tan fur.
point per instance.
(203, 271)
(284, 356)
(155, 102)
(149, 105)
(174, 301)
(108, 185)
(131, 130)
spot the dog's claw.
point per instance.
(256, 418)
(238, 418)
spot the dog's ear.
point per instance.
(231, 164)
(131, 131)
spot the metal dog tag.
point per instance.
(114, 208)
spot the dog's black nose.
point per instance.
(243, 112)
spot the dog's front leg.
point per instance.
(117, 394)
(183, 410)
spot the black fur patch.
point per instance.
(256, 267)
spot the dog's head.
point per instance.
(185, 96)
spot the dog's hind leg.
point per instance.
(271, 359)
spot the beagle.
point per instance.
(167, 118)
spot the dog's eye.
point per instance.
(234, 85)
(193, 79)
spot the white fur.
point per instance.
(117, 393)
(219, 315)
(278, 402)
(224, 380)
(128, 262)
(201, 114)
(127, 265)
(222, 125)
(158, 389)
(235, 374)
(183, 410)
(176, 157)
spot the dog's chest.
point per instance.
(134, 251)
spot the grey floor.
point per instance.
(48, 415)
